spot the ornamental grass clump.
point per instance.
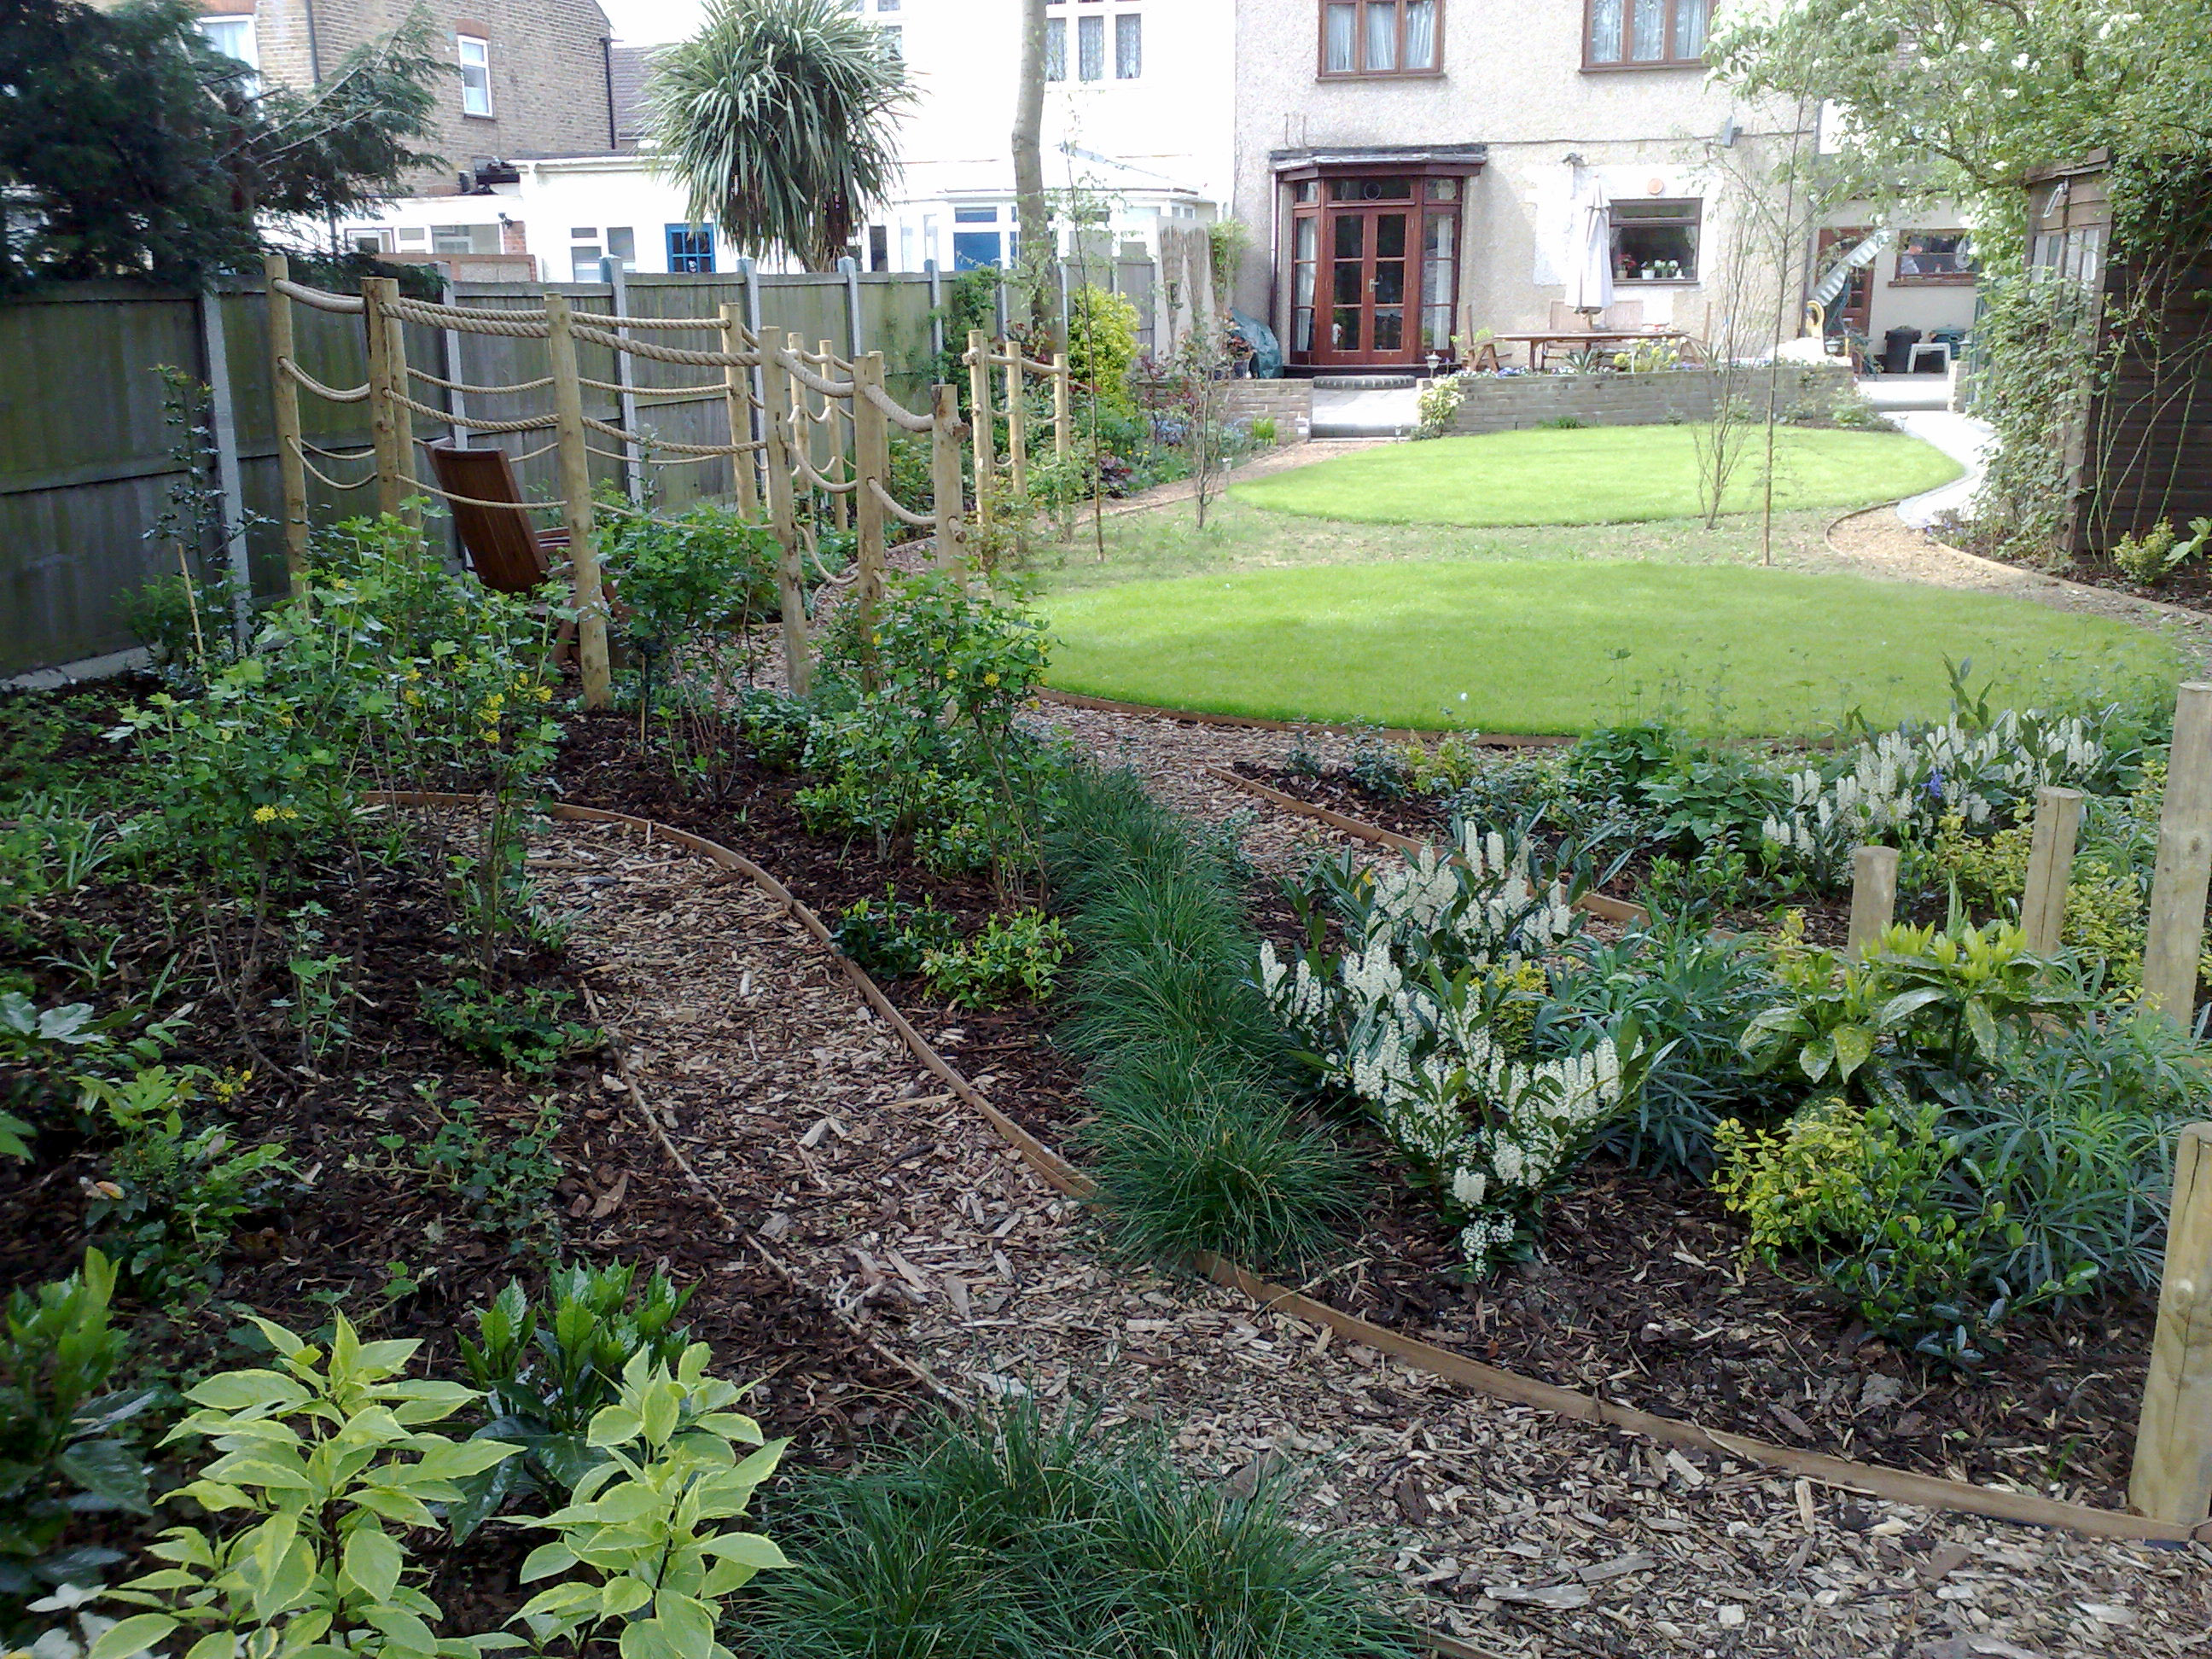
(1422, 1017)
(1005, 1533)
(1197, 1146)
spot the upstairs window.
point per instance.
(234, 38)
(1644, 33)
(1055, 48)
(1129, 47)
(475, 56)
(1091, 48)
(1380, 37)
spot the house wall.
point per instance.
(1160, 147)
(1512, 79)
(548, 62)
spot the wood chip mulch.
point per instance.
(835, 1164)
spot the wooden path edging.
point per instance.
(1897, 1485)
(1338, 728)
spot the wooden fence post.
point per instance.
(834, 466)
(777, 414)
(1062, 422)
(1874, 894)
(2175, 933)
(577, 503)
(871, 452)
(986, 435)
(383, 422)
(737, 399)
(284, 395)
(1017, 424)
(403, 418)
(947, 480)
(2049, 861)
(2173, 1475)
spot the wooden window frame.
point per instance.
(1424, 200)
(1695, 220)
(1668, 61)
(1322, 71)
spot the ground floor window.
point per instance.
(691, 247)
(1657, 242)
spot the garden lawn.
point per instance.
(1598, 475)
(1555, 648)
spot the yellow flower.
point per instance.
(287, 814)
(265, 815)
(990, 679)
(544, 694)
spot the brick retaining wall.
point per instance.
(1288, 403)
(1502, 403)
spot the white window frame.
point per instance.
(461, 45)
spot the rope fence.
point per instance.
(780, 400)
(980, 358)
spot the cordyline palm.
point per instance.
(778, 118)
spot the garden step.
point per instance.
(1364, 382)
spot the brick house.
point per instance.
(530, 77)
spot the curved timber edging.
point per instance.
(1335, 728)
(1897, 1485)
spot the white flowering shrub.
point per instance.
(1427, 1015)
(1901, 785)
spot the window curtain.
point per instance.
(1647, 30)
(1343, 32)
(1129, 47)
(1091, 48)
(1381, 35)
(1605, 30)
(1055, 48)
(1421, 35)
(1690, 17)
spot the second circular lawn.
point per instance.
(1527, 646)
(1596, 475)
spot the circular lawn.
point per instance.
(1596, 475)
(1527, 646)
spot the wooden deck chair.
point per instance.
(508, 552)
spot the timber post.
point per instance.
(383, 418)
(778, 412)
(2049, 861)
(1874, 894)
(2172, 1479)
(577, 503)
(2174, 935)
(947, 480)
(284, 395)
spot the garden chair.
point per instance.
(1565, 319)
(1624, 314)
(508, 553)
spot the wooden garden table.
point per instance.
(1537, 341)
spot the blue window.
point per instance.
(974, 250)
(691, 247)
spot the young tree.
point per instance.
(1031, 215)
(780, 119)
(131, 147)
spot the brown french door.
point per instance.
(1370, 250)
(1373, 282)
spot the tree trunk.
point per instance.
(1035, 230)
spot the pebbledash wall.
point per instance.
(1502, 402)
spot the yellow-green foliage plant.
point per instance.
(642, 1524)
(333, 1458)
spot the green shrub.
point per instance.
(890, 936)
(58, 1457)
(1014, 958)
(1001, 1532)
(170, 1195)
(1102, 344)
(546, 1370)
(523, 1028)
(506, 1182)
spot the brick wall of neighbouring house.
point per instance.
(1288, 403)
(1503, 404)
(548, 70)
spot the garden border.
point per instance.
(1897, 1486)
